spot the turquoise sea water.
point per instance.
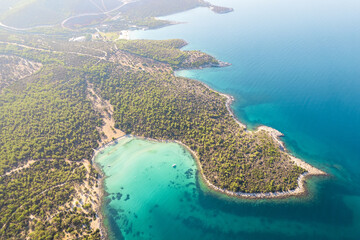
(295, 67)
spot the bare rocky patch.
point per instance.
(108, 132)
(13, 68)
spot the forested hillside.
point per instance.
(79, 14)
(161, 106)
(168, 51)
(48, 129)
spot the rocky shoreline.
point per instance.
(275, 134)
(301, 190)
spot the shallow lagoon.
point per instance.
(150, 199)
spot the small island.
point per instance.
(220, 10)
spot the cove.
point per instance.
(147, 198)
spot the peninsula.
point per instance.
(92, 92)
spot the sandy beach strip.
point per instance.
(275, 134)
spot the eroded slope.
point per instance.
(14, 68)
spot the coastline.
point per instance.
(300, 190)
(100, 181)
(229, 100)
(275, 134)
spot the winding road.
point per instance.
(103, 10)
(52, 51)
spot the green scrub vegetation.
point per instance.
(167, 51)
(48, 117)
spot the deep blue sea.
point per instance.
(296, 68)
